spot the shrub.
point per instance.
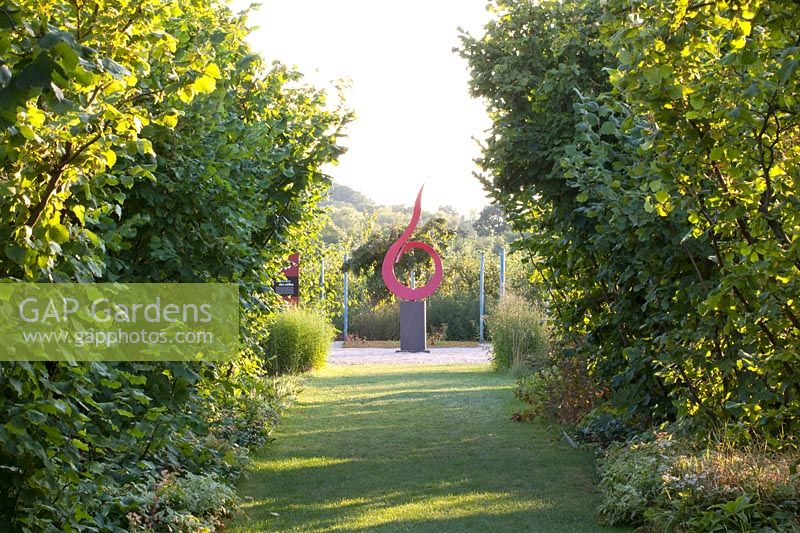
(380, 323)
(456, 316)
(670, 485)
(536, 391)
(248, 418)
(520, 334)
(561, 392)
(631, 479)
(299, 341)
(602, 427)
(188, 503)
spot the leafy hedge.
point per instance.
(144, 141)
(648, 153)
(381, 322)
(454, 316)
(451, 317)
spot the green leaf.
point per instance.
(27, 132)
(56, 37)
(58, 233)
(110, 157)
(52, 434)
(37, 74)
(79, 211)
(608, 128)
(80, 445)
(36, 417)
(5, 74)
(204, 84)
(115, 69)
(16, 253)
(212, 71)
(787, 70)
(654, 75)
(68, 56)
(662, 196)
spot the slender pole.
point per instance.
(322, 280)
(413, 281)
(502, 272)
(344, 326)
(480, 322)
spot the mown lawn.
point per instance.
(415, 448)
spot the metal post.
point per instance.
(413, 281)
(502, 272)
(322, 281)
(480, 322)
(344, 325)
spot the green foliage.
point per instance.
(143, 141)
(669, 485)
(454, 317)
(648, 151)
(561, 391)
(299, 341)
(248, 419)
(520, 334)
(631, 479)
(190, 503)
(490, 222)
(380, 322)
(602, 427)
(450, 317)
(535, 390)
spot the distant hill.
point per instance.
(343, 195)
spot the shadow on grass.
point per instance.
(415, 450)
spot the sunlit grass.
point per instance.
(415, 448)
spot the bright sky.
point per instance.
(415, 119)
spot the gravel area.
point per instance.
(390, 356)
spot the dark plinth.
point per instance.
(412, 327)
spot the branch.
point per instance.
(55, 177)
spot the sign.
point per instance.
(289, 287)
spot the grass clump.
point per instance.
(299, 341)
(520, 335)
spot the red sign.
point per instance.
(289, 288)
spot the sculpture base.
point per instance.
(413, 324)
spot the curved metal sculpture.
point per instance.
(396, 251)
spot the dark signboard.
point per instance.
(289, 287)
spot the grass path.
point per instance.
(415, 448)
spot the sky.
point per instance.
(415, 121)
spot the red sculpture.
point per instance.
(397, 250)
